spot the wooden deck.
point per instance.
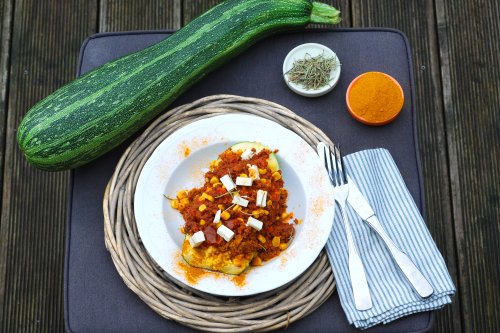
(457, 73)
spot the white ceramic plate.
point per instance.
(178, 163)
(313, 50)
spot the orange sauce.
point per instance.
(374, 98)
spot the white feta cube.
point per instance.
(247, 154)
(261, 198)
(225, 233)
(253, 171)
(254, 223)
(197, 238)
(217, 216)
(244, 181)
(227, 182)
(240, 201)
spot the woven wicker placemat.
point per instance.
(172, 299)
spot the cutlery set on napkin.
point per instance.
(384, 259)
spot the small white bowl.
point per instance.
(313, 49)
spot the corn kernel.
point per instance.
(225, 215)
(218, 224)
(208, 197)
(202, 207)
(240, 219)
(262, 171)
(243, 175)
(255, 213)
(221, 207)
(283, 246)
(277, 218)
(214, 180)
(202, 222)
(263, 181)
(261, 239)
(201, 198)
(265, 212)
(237, 208)
(252, 173)
(216, 184)
(298, 221)
(276, 241)
(214, 164)
(174, 204)
(276, 175)
(269, 203)
(182, 194)
(284, 216)
(184, 201)
(182, 230)
(256, 261)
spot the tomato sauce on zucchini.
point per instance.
(199, 206)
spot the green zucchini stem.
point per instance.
(323, 13)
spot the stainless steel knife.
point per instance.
(416, 279)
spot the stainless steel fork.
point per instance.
(338, 178)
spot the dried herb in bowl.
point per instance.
(312, 73)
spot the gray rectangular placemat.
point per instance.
(97, 300)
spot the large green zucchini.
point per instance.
(94, 113)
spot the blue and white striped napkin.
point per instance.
(380, 181)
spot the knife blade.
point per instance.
(358, 201)
(414, 276)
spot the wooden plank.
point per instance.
(46, 39)
(6, 13)
(191, 9)
(194, 8)
(416, 20)
(126, 15)
(469, 44)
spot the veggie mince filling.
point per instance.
(239, 216)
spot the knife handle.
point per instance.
(359, 283)
(407, 266)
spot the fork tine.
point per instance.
(338, 177)
(332, 167)
(327, 168)
(342, 166)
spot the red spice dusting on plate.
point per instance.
(185, 148)
(318, 206)
(191, 273)
(239, 280)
